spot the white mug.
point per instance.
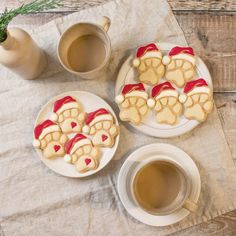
(82, 29)
(181, 201)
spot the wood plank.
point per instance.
(177, 5)
(213, 38)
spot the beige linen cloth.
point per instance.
(36, 201)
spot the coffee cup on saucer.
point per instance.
(161, 186)
(84, 49)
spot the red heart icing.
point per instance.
(73, 124)
(104, 137)
(57, 147)
(87, 161)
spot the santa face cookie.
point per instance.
(67, 112)
(100, 124)
(81, 152)
(165, 102)
(50, 139)
(148, 61)
(133, 103)
(180, 65)
(197, 100)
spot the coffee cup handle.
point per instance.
(190, 205)
(105, 23)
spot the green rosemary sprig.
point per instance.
(32, 7)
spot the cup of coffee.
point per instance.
(84, 49)
(161, 186)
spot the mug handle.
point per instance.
(191, 206)
(105, 23)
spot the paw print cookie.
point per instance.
(81, 152)
(68, 113)
(50, 139)
(148, 61)
(166, 104)
(133, 103)
(100, 124)
(197, 100)
(180, 65)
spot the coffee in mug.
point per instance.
(161, 187)
(84, 49)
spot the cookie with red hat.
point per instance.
(68, 113)
(133, 103)
(100, 124)
(148, 61)
(166, 104)
(49, 138)
(180, 65)
(197, 99)
(81, 152)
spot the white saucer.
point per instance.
(124, 178)
(89, 102)
(149, 126)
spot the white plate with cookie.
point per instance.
(76, 134)
(154, 117)
(127, 171)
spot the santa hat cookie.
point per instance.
(75, 143)
(131, 90)
(185, 53)
(42, 129)
(63, 104)
(148, 51)
(93, 117)
(194, 87)
(161, 90)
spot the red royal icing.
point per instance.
(87, 161)
(195, 83)
(59, 103)
(142, 50)
(40, 127)
(132, 87)
(92, 115)
(178, 50)
(73, 124)
(72, 141)
(57, 147)
(104, 137)
(161, 87)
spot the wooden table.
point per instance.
(210, 27)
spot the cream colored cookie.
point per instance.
(85, 164)
(50, 139)
(133, 103)
(180, 65)
(197, 100)
(165, 103)
(68, 113)
(79, 147)
(100, 124)
(148, 62)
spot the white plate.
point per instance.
(89, 102)
(149, 126)
(124, 178)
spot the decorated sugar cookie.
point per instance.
(68, 113)
(148, 61)
(100, 124)
(133, 103)
(166, 104)
(180, 65)
(197, 100)
(50, 139)
(81, 152)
